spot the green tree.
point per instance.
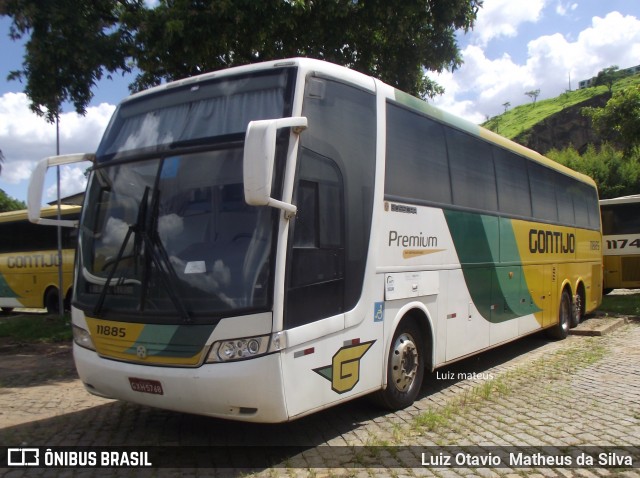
(7, 203)
(533, 94)
(619, 119)
(73, 43)
(608, 77)
(614, 173)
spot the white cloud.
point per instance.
(611, 40)
(72, 181)
(26, 138)
(501, 18)
(563, 8)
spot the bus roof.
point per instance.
(621, 200)
(366, 82)
(47, 211)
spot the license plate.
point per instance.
(146, 386)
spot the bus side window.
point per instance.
(316, 256)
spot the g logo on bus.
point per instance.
(141, 352)
(344, 371)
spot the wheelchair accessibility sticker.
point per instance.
(378, 312)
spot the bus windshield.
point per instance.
(174, 236)
(191, 113)
(166, 233)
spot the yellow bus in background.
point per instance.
(29, 260)
(621, 239)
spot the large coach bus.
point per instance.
(267, 241)
(29, 272)
(621, 239)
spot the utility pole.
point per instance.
(59, 227)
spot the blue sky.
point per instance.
(516, 46)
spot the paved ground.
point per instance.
(533, 394)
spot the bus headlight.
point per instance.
(238, 349)
(82, 338)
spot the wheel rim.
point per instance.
(404, 362)
(578, 309)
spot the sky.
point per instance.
(516, 46)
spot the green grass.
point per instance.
(36, 328)
(522, 118)
(621, 304)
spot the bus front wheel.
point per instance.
(51, 301)
(405, 368)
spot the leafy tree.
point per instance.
(608, 77)
(615, 174)
(7, 203)
(533, 94)
(619, 119)
(73, 44)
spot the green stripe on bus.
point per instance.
(6, 290)
(172, 340)
(499, 292)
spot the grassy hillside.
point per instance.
(521, 118)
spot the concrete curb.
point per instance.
(597, 326)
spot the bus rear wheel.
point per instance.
(405, 368)
(561, 329)
(578, 309)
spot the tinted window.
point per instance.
(317, 262)
(564, 194)
(513, 183)
(621, 219)
(473, 180)
(25, 236)
(341, 133)
(543, 194)
(416, 157)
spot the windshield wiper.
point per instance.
(103, 292)
(152, 244)
(160, 259)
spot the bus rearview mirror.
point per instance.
(36, 186)
(258, 160)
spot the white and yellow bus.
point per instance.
(29, 272)
(267, 241)
(621, 239)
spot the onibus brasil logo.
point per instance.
(344, 371)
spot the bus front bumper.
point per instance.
(249, 390)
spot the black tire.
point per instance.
(565, 311)
(67, 300)
(51, 301)
(405, 368)
(7, 310)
